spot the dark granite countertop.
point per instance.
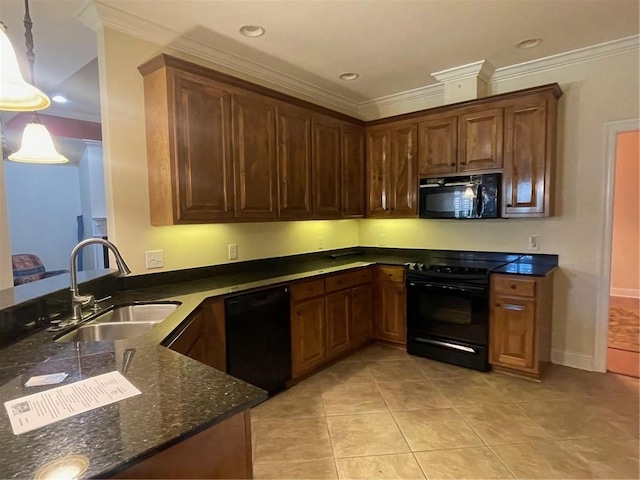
(180, 396)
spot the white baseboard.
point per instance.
(625, 292)
(575, 360)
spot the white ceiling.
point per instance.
(394, 45)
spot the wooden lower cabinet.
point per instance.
(390, 305)
(308, 332)
(330, 317)
(361, 315)
(202, 336)
(520, 324)
(220, 451)
(338, 311)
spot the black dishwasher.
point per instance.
(258, 334)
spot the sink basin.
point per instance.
(96, 332)
(119, 323)
(140, 312)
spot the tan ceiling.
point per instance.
(394, 45)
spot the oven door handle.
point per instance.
(440, 343)
(448, 287)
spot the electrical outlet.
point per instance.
(382, 239)
(320, 243)
(154, 258)
(233, 251)
(534, 242)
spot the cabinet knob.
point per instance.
(298, 313)
(509, 205)
(463, 163)
(512, 287)
(452, 164)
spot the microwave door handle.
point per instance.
(480, 203)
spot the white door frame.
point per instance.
(611, 130)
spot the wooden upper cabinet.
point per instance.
(404, 176)
(353, 171)
(438, 146)
(188, 125)
(327, 175)
(378, 173)
(528, 153)
(480, 140)
(294, 161)
(254, 149)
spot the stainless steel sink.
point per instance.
(141, 312)
(119, 323)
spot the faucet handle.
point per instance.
(96, 303)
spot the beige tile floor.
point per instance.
(382, 413)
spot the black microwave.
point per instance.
(465, 197)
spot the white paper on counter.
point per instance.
(50, 379)
(40, 409)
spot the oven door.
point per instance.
(448, 322)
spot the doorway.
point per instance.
(617, 343)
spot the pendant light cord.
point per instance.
(31, 56)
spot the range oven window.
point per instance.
(456, 313)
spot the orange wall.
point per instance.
(626, 213)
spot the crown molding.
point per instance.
(113, 18)
(73, 114)
(98, 14)
(481, 69)
(369, 110)
(614, 47)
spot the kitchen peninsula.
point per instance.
(181, 398)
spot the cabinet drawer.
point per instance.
(390, 274)
(300, 291)
(508, 285)
(347, 280)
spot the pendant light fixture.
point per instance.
(37, 144)
(16, 95)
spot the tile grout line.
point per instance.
(326, 423)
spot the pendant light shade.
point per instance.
(37, 147)
(16, 95)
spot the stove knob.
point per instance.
(422, 267)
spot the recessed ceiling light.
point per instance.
(252, 30)
(59, 99)
(348, 76)
(529, 43)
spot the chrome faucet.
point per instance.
(78, 301)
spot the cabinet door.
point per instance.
(404, 177)
(480, 140)
(307, 336)
(378, 173)
(361, 314)
(390, 312)
(255, 157)
(437, 146)
(204, 164)
(338, 311)
(512, 332)
(526, 192)
(353, 171)
(294, 162)
(326, 169)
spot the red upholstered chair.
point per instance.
(28, 268)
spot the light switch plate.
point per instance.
(534, 242)
(382, 239)
(154, 258)
(233, 251)
(320, 243)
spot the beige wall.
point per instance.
(595, 92)
(127, 192)
(625, 261)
